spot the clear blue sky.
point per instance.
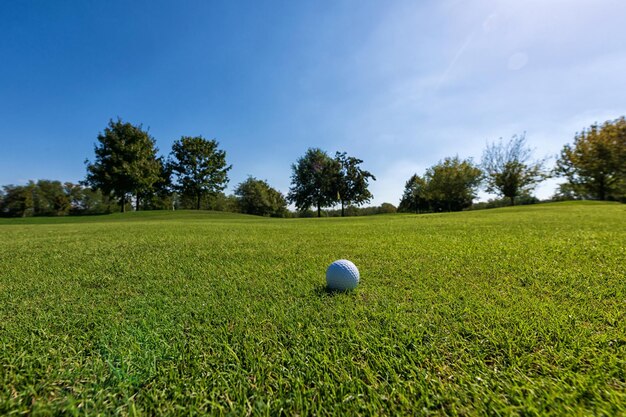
(400, 84)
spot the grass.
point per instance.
(516, 311)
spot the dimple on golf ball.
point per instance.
(342, 275)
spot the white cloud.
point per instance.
(492, 69)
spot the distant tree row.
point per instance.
(594, 168)
(507, 169)
(126, 165)
(194, 175)
(52, 198)
(126, 170)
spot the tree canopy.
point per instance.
(452, 184)
(595, 165)
(320, 181)
(51, 198)
(255, 196)
(125, 162)
(509, 168)
(415, 196)
(18, 200)
(126, 168)
(199, 167)
(351, 181)
(313, 181)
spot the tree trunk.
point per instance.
(319, 210)
(137, 203)
(342, 210)
(199, 197)
(602, 189)
(123, 204)
(512, 200)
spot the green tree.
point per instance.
(595, 165)
(386, 208)
(18, 200)
(255, 196)
(159, 196)
(415, 198)
(352, 181)
(452, 184)
(567, 192)
(223, 202)
(89, 201)
(125, 162)
(509, 168)
(50, 199)
(313, 181)
(74, 194)
(199, 167)
(216, 202)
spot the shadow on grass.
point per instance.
(323, 291)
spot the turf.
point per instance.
(516, 311)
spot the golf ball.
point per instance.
(342, 275)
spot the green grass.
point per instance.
(516, 311)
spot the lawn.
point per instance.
(506, 311)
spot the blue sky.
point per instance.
(400, 84)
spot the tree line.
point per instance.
(126, 172)
(594, 167)
(507, 169)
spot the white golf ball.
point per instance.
(342, 275)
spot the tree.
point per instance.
(88, 201)
(386, 208)
(125, 162)
(567, 192)
(74, 194)
(255, 196)
(452, 184)
(199, 167)
(159, 196)
(313, 181)
(223, 202)
(509, 168)
(18, 200)
(415, 198)
(351, 181)
(595, 165)
(50, 199)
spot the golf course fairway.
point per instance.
(520, 310)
